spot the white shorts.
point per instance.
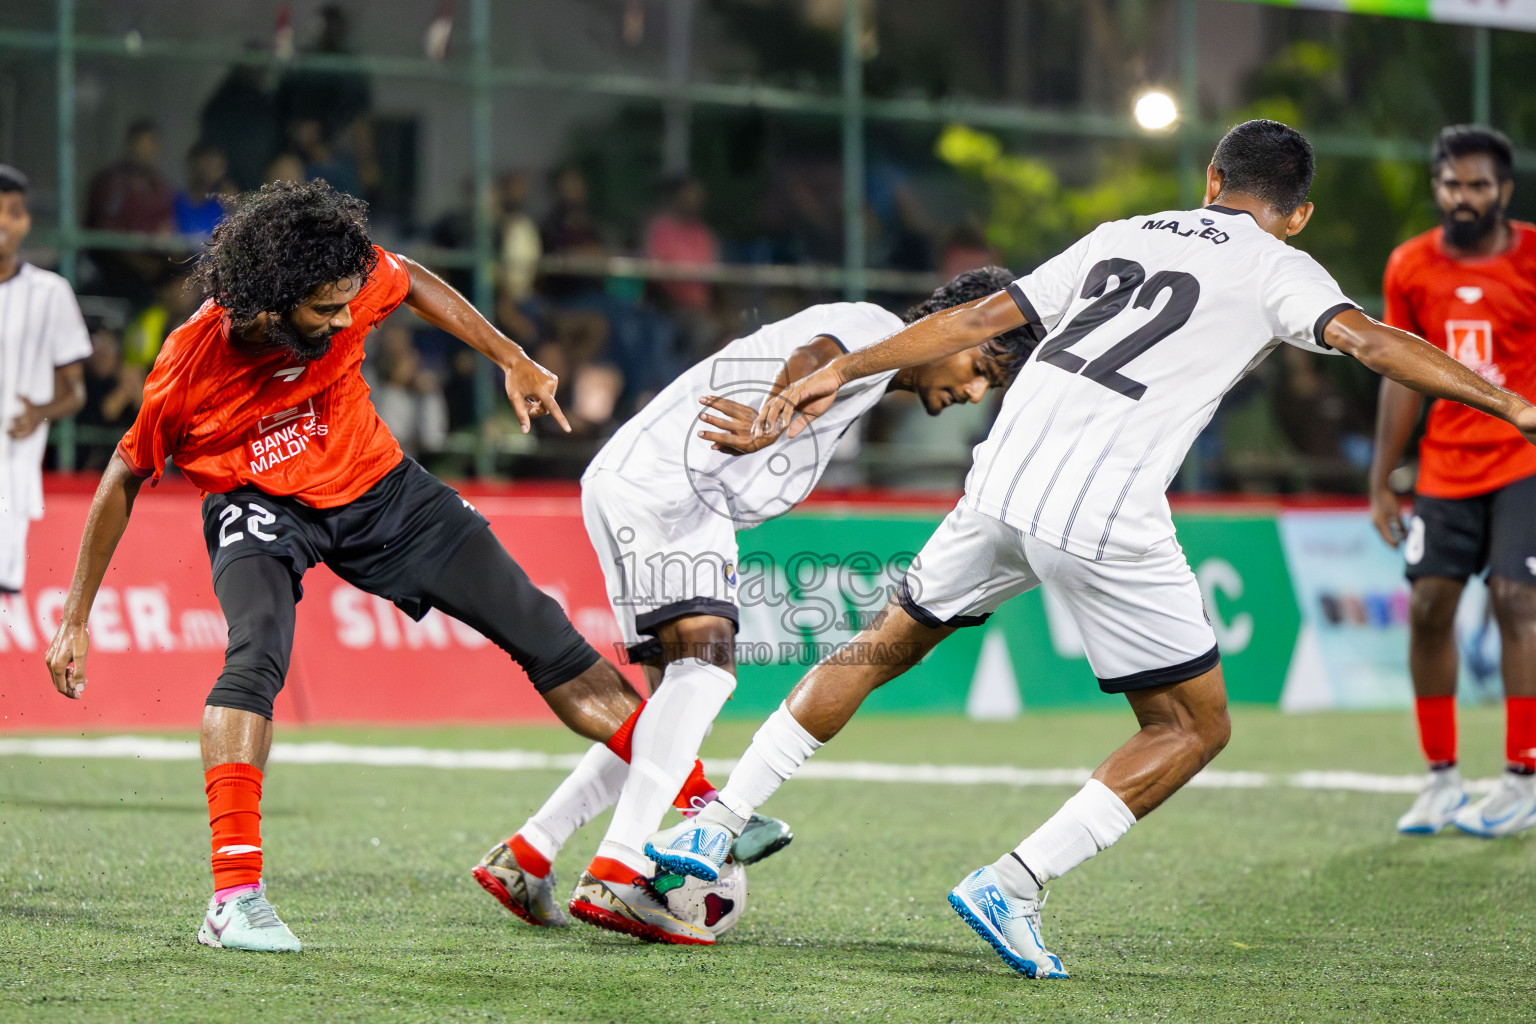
(13, 551)
(1143, 622)
(664, 555)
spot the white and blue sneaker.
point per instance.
(696, 847)
(1510, 808)
(1435, 806)
(1010, 924)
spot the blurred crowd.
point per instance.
(612, 340)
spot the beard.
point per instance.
(306, 347)
(1468, 233)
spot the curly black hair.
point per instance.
(1007, 351)
(279, 243)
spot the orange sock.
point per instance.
(623, 738)
(1437, 729)
(234, 814)
(1520, 733)
(529, 859)
(696, 785)
(607, 869)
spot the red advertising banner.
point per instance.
(157, 635)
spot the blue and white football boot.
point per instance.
(696, 847)
(1010, 924)
(1510, 808)
(1436, 805)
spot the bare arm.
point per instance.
(935, 336)
(68, 399)
(103, 529)
(734, 420)
(530, 387)
(1397, 410)
(1420, 366)
(1414, 367)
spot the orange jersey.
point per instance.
(1483, 312)
(230, 418)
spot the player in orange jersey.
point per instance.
(1470, 287)
(260, 401)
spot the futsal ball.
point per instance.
(714, 905)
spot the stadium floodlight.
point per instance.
(1155, 110)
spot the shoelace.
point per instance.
(258, 911)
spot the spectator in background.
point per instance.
(965, 249)
(198, 210)
(114, 391)
(241, 120)
(285, 166)
(1316, 416)
(678, 235)
(131, 195)
(340, 103)
(459, 390)
(577, 313)
(171, 303)
(520, 248)
(321, 158)
(569, 229)
(408, 397)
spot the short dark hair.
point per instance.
(12, 180)
(1460, 140)
(279, 243)
(1008, 351)
(1267, 160)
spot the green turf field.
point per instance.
(1271, 904)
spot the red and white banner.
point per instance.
(157, 635)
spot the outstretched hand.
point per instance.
(531, 390)
(809, 397)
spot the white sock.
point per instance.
(666, 742)
(588, 791)
(1089, 822)
(778, 750)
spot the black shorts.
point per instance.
(390, 541)
(1460, 537)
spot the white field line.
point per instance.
(150, 749)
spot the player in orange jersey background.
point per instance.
(1470, 287)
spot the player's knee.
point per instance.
(710, 638)
(1203, 727)
(1215, 732)
(1432, 606)
(255, 666)
(1514, 604)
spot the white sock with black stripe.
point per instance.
(1090, 821)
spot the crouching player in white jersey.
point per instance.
(662, 502)
(1149, 321)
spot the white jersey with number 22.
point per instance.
(1151, 321)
